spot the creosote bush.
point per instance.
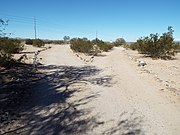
(35, 42)
(103, 45)
(56, 42)
(8, 47)
(38, 43)
(132, 46)
(29, 42)
(81, 45)
(177, 47)
(84, 45)
(156, 46)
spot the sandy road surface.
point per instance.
(107, 96)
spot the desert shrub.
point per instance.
(81, 45)
(8, 47)
(119, 42)
(58, 42)
(104, 46)
(132, 46)
(6, 60)
(84, 45)
(157, 46)
(54, 42)
(38, 43)
(29, 41)
(177, 47)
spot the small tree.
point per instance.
(119, 42)
(66, 39)
(167, 44)
(156, 46)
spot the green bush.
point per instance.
(132, 46)
(58, 42)
(54, 42)
(38, 43)
(119, 42)
(29, 41)
(8, 47)
(81, 45)
(157, 47)
(6, 60)
(177, 47)
(90, 47)
(104, 46)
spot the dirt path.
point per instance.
(107, 96)
(132, 93)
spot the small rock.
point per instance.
(141, 63)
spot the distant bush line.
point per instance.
(56, 42)
(43, 42)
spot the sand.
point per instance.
(110, 95)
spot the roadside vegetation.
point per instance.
(119, 42)
(157, 46)
(83, 45)
(8, 47)
(35, 42)
(56, 42)
(101, 45)
(15, 77)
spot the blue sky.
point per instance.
(111, 19)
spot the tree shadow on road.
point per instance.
(128, 124)
(52, 108)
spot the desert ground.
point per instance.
(107, 95)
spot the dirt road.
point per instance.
(107, 96)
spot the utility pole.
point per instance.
(35, 28)
(96, 35)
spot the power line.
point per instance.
(29, 20)
(16, 16)
(20, 22)
(43, 25)
(96, 34)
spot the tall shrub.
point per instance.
(38, 43)
(81, 45)
(157, 46)
(8, 47)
